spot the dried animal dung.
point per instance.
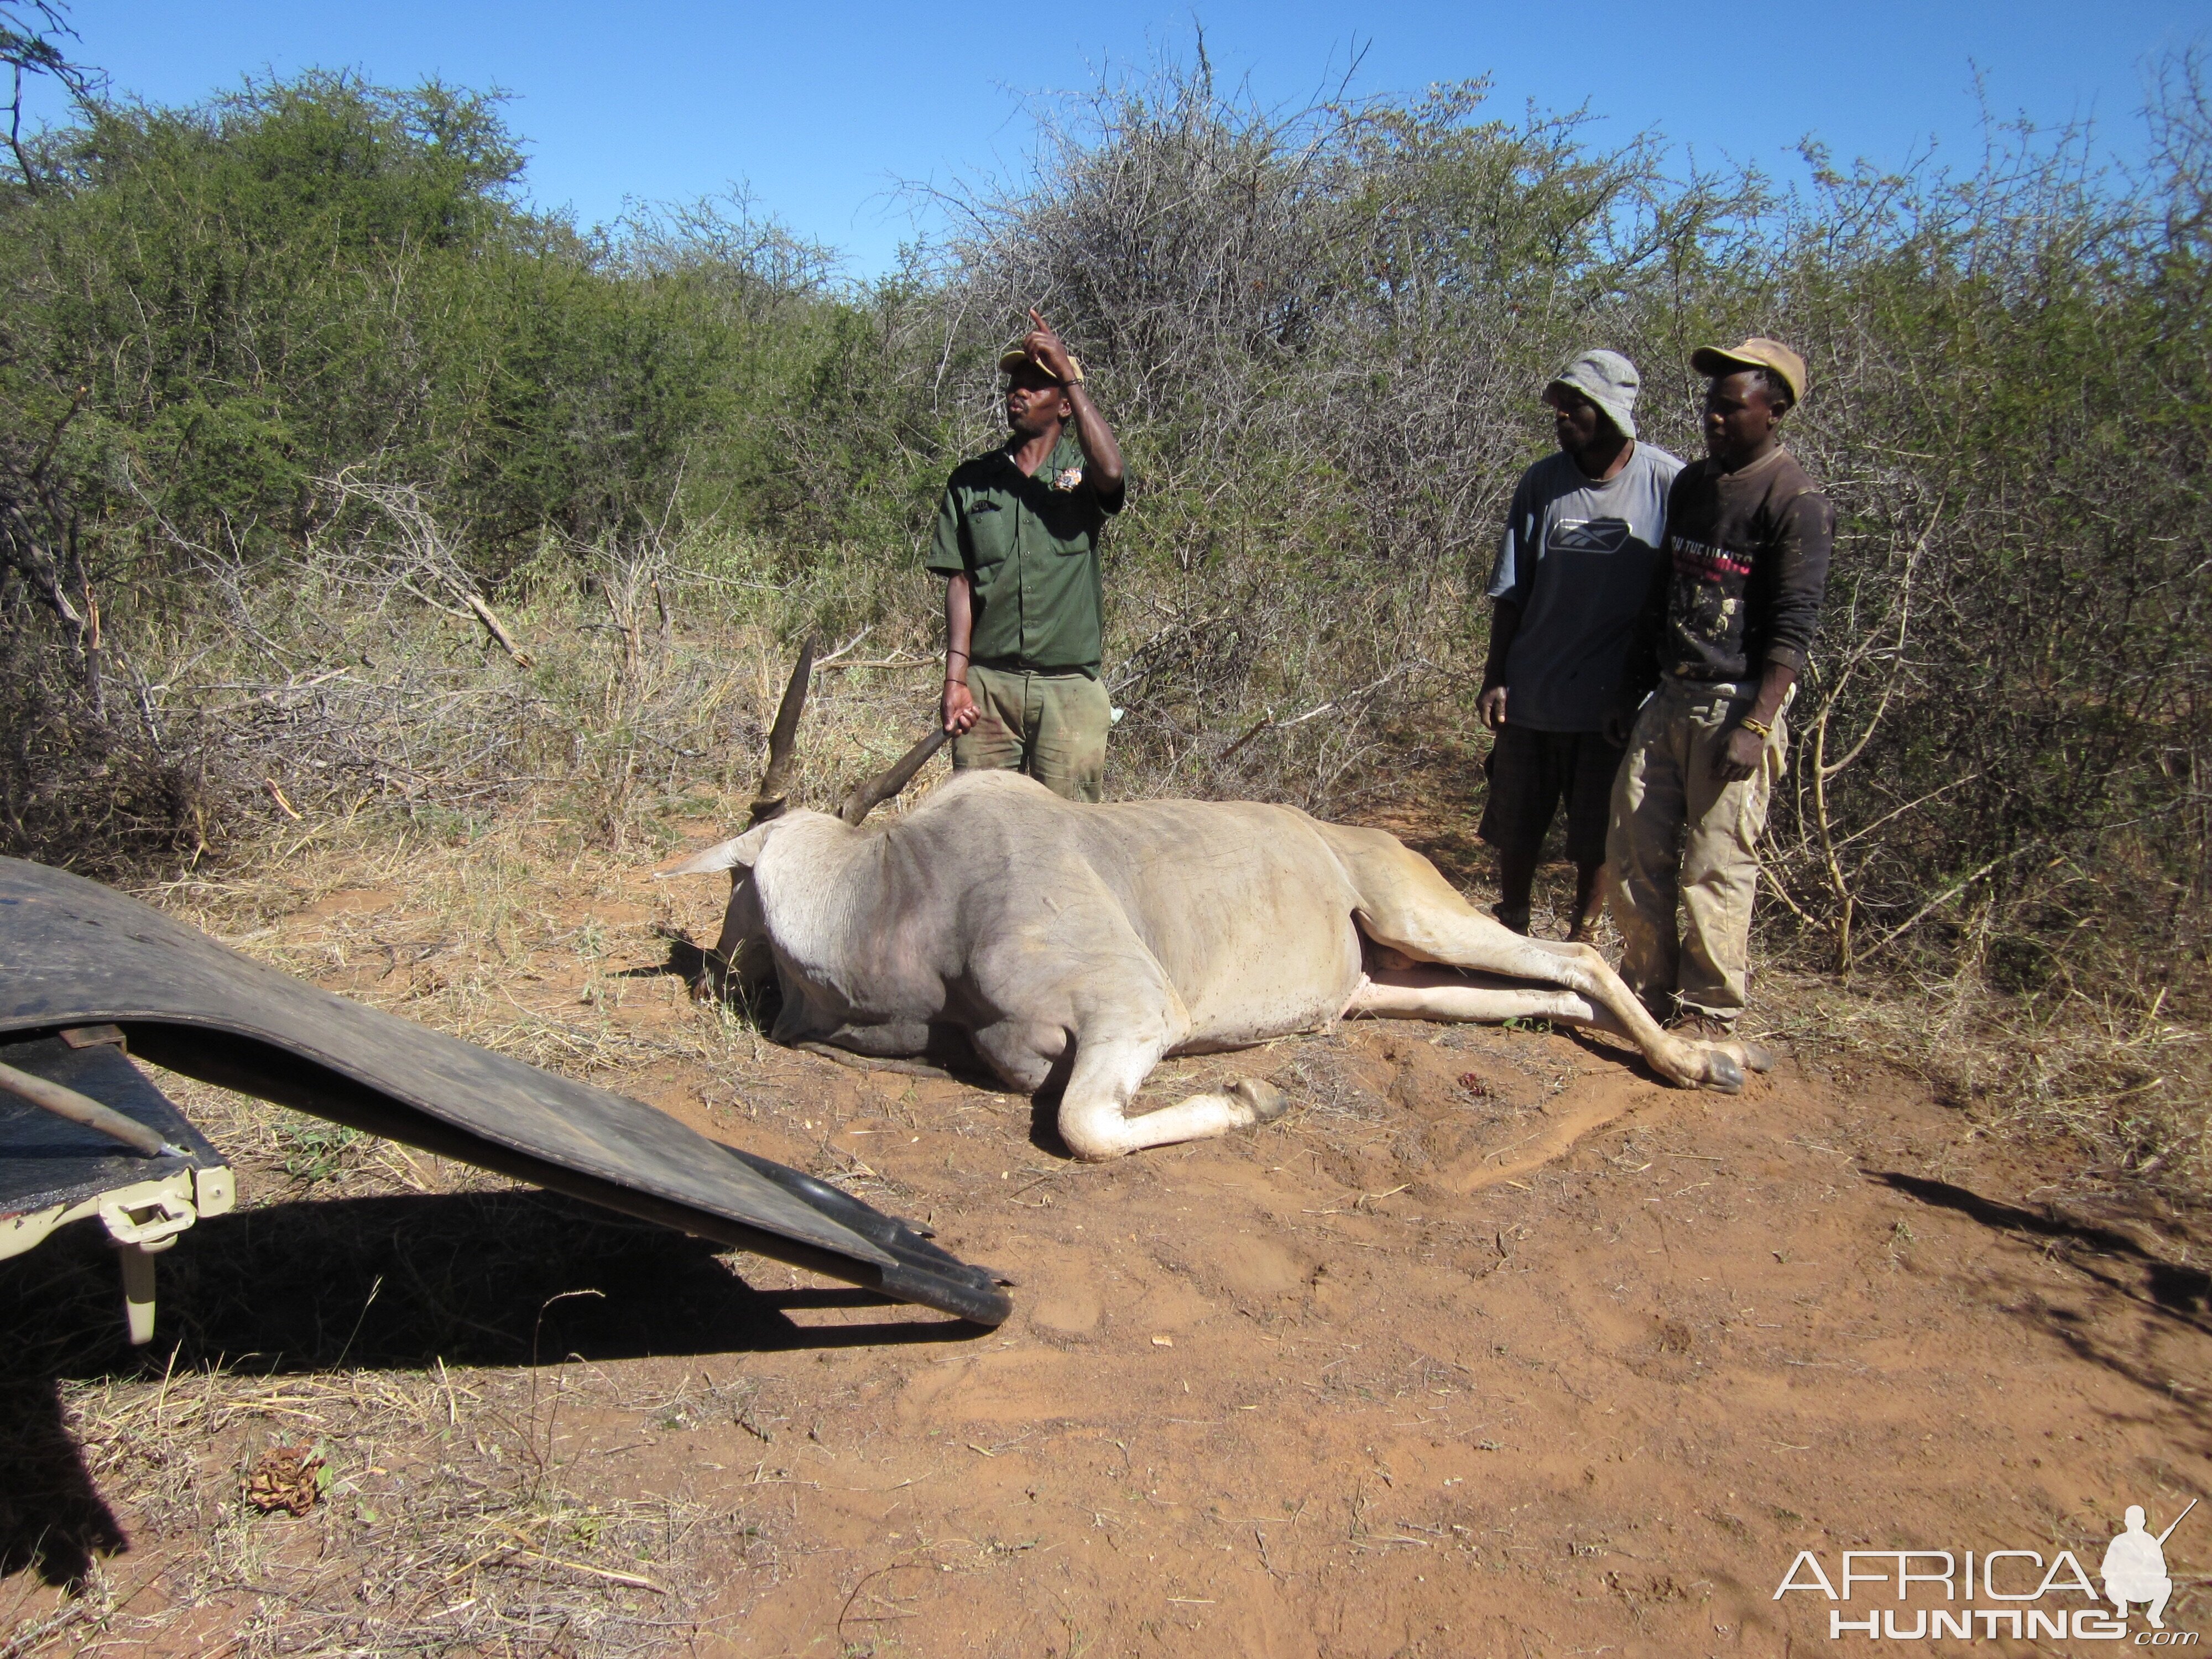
(285, 1478)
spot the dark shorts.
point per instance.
(1529, 772)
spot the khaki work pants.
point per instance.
(1051, 726)
(1680, 839)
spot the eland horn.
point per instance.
(881, 787)
(774, 786)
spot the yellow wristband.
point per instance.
(1758, 726)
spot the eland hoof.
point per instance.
(1267, 1100)
(1722, 1072)
(1756, 1057)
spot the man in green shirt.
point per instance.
(1018, 544)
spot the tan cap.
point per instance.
(1014, 357)
(1757, 352)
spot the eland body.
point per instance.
(1075, 945)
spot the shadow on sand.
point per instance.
(498, 1278)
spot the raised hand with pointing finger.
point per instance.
(1049, 352)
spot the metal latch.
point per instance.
(143, 1224)
(151, 1221)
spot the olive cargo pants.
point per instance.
(1680, 839)
(1052, 727)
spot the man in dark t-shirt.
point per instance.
(1576, 560)
(1721, 641)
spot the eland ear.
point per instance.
(722, 855)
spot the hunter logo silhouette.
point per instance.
(2135, 1566)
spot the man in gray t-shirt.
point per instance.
(1574, 565)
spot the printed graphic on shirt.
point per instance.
(1588, 535)
(1706, 563)
(1706, 602)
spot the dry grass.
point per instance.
(2124, 1088)
(449, 1523)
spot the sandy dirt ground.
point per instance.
(1493, 1347)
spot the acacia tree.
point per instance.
(31, 36)
(38, 532)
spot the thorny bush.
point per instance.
(300, 411)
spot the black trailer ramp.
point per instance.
(76, 955)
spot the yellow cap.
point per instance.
(1757, 352)
(1014, 357)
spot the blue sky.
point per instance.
(824, 109)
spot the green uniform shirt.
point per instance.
(1029, 546)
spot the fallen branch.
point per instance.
(402, 504)
(498, 631)
(884, 662)
(825, 662)
(1269, 722)
(634, 1581)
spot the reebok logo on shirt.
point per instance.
(1588, 535)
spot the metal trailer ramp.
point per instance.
(76, 955)
(54, 1172)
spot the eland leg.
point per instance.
(1449, 995)
(1406, 904)
(1453, 994)
(1103, 1028)
(1109, 1066)
(1094, 1117)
